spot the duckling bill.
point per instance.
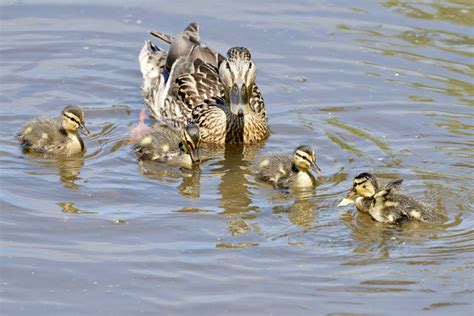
(56, 137)
(166, 145)
(288, 171)
(385, 204)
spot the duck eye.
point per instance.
(72, 119)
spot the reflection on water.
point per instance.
(190, 179)
(69, 208)
(237, 227)
(379, 237)
(68, 167)
(233, 187)
(303, 209)
(453, 11)
(453, 76)
(190, 186)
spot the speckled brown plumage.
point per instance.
(195, 93)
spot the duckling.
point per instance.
(386, 205)
(50, 136)
(164, 144)
(288, 171)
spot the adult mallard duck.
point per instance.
(218, 94)
(288, 171)
(52, 136)
(385, 204)
(166, 145)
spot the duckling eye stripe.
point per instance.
(359, 182)
(304, 157)
(72, 119)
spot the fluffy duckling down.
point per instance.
(52, 136)
(288, 171)
(385, 204)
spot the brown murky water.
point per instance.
(383, 86)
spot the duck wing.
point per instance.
(191, 83)
(152, 61)
(274, 168)
(186, 41)
(256, 101)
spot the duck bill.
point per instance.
(84, 130)
(349, 199)
(239, 99)
(351, 195)
(315, 168)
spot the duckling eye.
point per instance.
(72, 119)
(364, 186)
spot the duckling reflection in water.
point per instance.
(302, 212)
(288, 171)
(166, 145)
(50, 136)
(386, 205)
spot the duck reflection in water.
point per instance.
(189, 186)
(302, 212)
(70, 208)
(68, 168)
(372, 237)
(234, 187)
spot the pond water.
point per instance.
(378, 86)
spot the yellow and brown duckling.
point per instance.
(385, 204)
(288, 171)
(56, 137)
(166, 145)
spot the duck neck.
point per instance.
(75, 141)
(73, 134)
(302, 178)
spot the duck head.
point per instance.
(72, 119)
(238, 73)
